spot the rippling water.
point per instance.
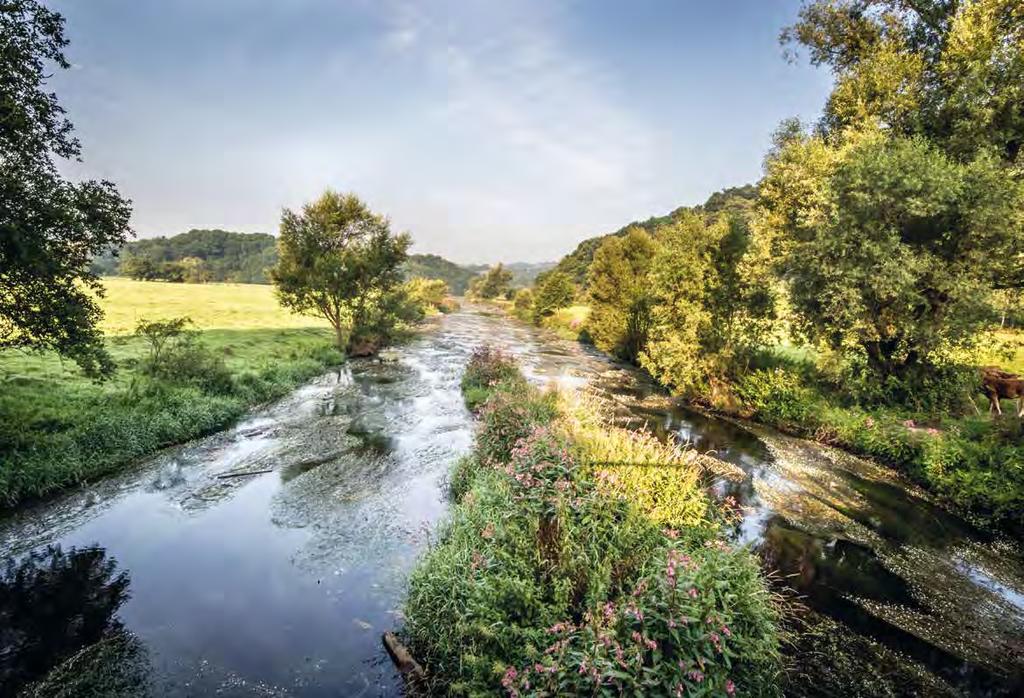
(228, 579)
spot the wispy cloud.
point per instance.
(550, 119)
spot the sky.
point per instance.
(492, 130)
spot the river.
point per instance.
(267, 560)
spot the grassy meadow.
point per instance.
(58, 428)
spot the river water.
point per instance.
(267, 560)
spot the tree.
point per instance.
(556, 290)
(428, 293)
(139, 268)
(495, 282)
(951, 72)
(339, 260)
(620, 302)
(680, 276)
(896, 220)
(50, 228)
(889, 246)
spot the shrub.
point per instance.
(487, 369)
(508, 416)
(777, 397)
(698, 622)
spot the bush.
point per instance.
(509, 415)
(698, 622)
(487, 369)
(777, 397)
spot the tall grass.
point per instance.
(545, 581)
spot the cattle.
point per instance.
(999, 384)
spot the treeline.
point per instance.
(197, 256)
(201, 256)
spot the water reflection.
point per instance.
(54, 603)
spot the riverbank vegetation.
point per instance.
(558, 573)
(59, 427)
(853, 294)
(174, 380)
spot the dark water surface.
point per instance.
(280, 583)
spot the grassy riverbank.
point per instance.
(559, 573)
(58, 428)
(973, 462)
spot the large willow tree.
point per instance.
(897, 217)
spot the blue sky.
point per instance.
(490, 129)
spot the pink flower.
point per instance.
(730, 687)
(693, 592)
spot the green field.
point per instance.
(211, 306)
(58, 428)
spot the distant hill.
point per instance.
(577, 262)
(432, 266)
(226, 256)
(458, 276)
(524, 273)
(247, 257)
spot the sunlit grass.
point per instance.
(211, 306)
(567, 323)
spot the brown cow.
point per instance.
(997, 384)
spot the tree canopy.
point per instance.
(495, 282)
(50, 228)
(894, 221)
(339, 260)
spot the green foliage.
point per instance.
(58, 430)
(493, 283)
(710, 304)
(431, 266)
(428, 294)
(951, 72)
(197, 256)
(731, 200)
(777, 397)
(339, 260)
(541, 584)
(975, 464)
(488, 369)
(620, 302)
(555, 291)
(888, 246)
(50, 228)
(177, 357)
(522, 304)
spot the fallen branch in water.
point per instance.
(408, 667)
(243, 473)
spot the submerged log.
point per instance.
(243, 473)
(408, 667)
